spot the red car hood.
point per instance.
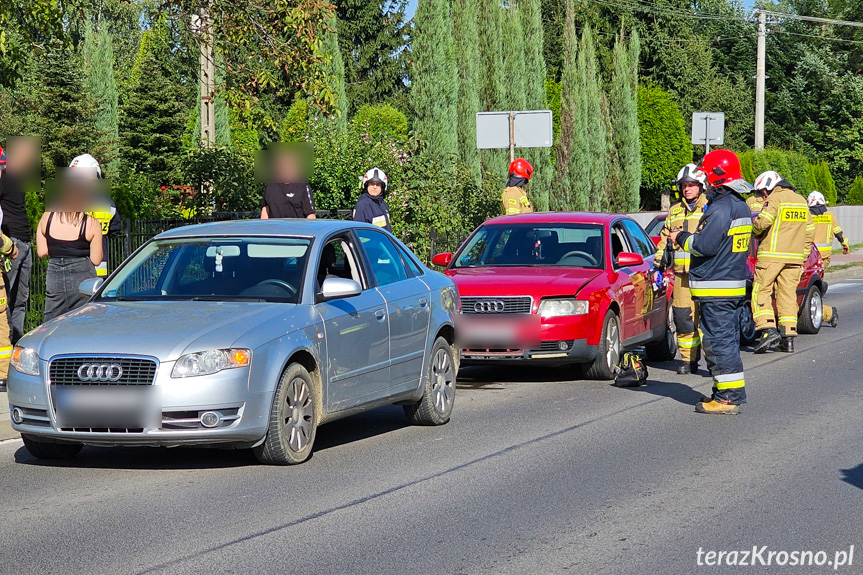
(537, 281)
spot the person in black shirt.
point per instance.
(371, 207)
(23, 167)
(288, 194)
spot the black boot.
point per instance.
(786, 345)
(834, 319)
(684, 368)
(2, 385)
(766, 339)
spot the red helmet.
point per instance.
(721, 167)
(521, 167)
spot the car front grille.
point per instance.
(135, 370)
(491, 304)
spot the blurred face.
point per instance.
(375, 189)
(690, 190)
(22, 155)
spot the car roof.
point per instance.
(558, 218)
(271, 227)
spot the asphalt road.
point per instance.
(532, 475)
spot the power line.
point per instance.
(814, 19)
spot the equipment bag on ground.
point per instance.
(631, 372)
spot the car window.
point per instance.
(541, 244)
(655, 227)
(337, 260)
(212, 269)
(618, 241)
(409, 261)
(384, 258)
(643, 244)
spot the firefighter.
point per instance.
(514, 199)
(8, 252)
(105, 213)
(786, 231)
(683, 216)
(826, 226)
(756, 201)
(719, 248)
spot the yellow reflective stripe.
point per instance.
(787, 319)
(729, 380)
(737, 230)
(688, 343)
(736, 384)
(782, 255)
(766, 215)
(763, 312)
(5, 352)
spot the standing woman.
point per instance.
(73, 243)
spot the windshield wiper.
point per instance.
(227, 298)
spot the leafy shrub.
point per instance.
(855, 193)
(380, 122)
(665, 145)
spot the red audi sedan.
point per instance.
(559, 289)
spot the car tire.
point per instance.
(46, 450)
(293, 419)
(747, 325)
(666, 348)
(608, 354)
(435, 406)
(811, 311)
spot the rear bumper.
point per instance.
(579, 351)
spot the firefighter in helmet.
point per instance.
(826, 227)
(514, 200)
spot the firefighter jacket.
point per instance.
(514, 201)
(785, 227)
(720, 248)
(680, 217)
(826, 226)
(110, 224)
(755, 202)
(7, 246)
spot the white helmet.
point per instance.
(690, 173)
(87, 161)
(816, 198)
(767, 181)
(374, 176)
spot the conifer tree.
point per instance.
(434, 84)
(513, 60)
(623, 108)
(467, 59)
(564, 196)
(595, 140)
(334, 69)
(536, 98)
(492, 81)
(98, 57)
(153, 110)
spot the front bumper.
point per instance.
(549, 353)
(243, 421)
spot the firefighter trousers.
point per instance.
(720, 328)
(5, 333)
(685, 313)
(826, 310)
(781, 278)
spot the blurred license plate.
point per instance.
(102, 406)
(497, 332)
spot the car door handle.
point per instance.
(423, 302)
(380, 315)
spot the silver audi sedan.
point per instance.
(244, 334)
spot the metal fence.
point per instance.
(134, 234)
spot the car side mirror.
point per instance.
(628, 259)
(442, 260)
(338, 288)
(91, 286)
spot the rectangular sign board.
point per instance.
(708, 128)
(532, 129)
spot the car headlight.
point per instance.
(25, 360)
(210, 362)
(561, 307)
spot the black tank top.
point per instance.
(79, 248)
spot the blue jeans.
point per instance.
(18, 289)
(61, 284)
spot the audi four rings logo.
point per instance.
(103, 372)
(488, 306)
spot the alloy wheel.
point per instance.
(443, 380)
(816, 309)
(299, 414)
(612, 340)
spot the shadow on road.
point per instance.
(853, 476)
(145, 458)
(362, 426)
(477, 377)
(677, 391)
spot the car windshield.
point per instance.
(213, 269)
(655, 226)
(559, 245)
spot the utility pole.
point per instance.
(759, 80)
(203, 25)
